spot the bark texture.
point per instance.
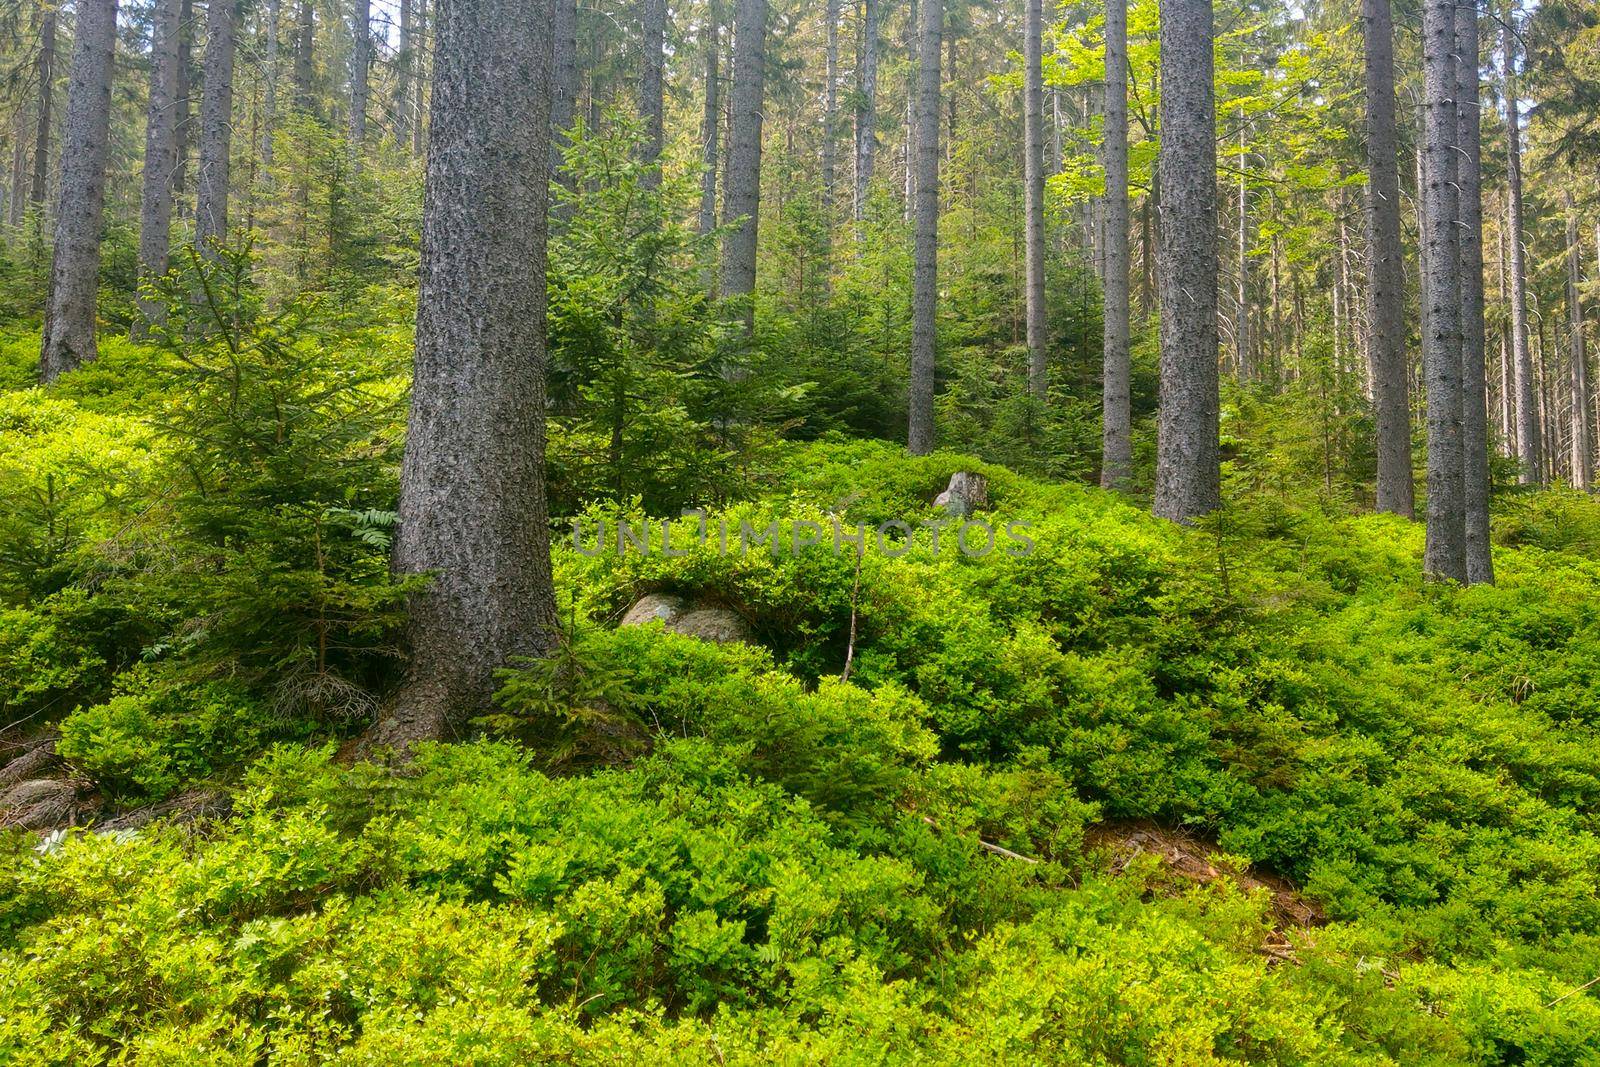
(1445, 554)
(1474, 387)
(305, 33)
(45, 116)
(160, 152)
(1188, 461)
(866, 136)
(1116, 444)
(472, 497)
(742, 197)
(1530, 445)
(653, 25)
(1386, 297)
(360, 67)
(216, 125)
(1582, 431)
(925, 265)
(1033, 195)
(74, 271)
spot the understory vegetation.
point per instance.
(665, 849)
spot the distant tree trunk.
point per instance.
(742, 199)
(269, 103)
(46, 71)
(1188, 460)
(405, 71)
(1445, 556)
(305, 35)
(472, 495)
(419, 69)
(160, 153)
(1033, 195)
(1530, 448)
(866, 136)
(653, 24)
(216, 125)
(711, 125)
(360, 66)
(830, 133)
(1386, 295)
(69, 321)
(925, 267)
(910, 151)
(19, 168)
(1474, 386)
(564, 86)
(185, 122)
(1582, 437)
(1116, 445)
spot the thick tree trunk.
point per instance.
(1386, 296)
(925, 266)
(1116, 444)
(1530, 448)
(216, 125)
(1474, 386)
(69, 321)
(45, 116)
(360, 66)
(305, 35)
(1582, 436)
(472, 496)
(564, 86)
(653, 26)
(742, 199)
(1033, 195)
(1188, 461)
(269, 102)
(866, 137)
(160, 153)
(1445, 556)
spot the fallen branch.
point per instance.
(990, 846)
(1574, 992)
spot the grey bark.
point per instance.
(1386, 324)
(269, 92)
(564, 85)
(185, 124)
(830, 127)
(1188, 461)
(925, 265)
(46, 114)
(360, 66)
(653, 23)
(711, 125)
(1530, 448)
(305, 34)
(1582, 436)
(1474, 384)
(742, 199)
(1445, 554)
(160, 152)
(216, 125)
(866, 136)
(1116, 445)
(472, 496)
(910, 150)
(69, 321)
(19, 169)
(1033, 196)
(404, 64)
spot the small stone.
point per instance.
(652, 607)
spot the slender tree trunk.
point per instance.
(19, 168)
(216, 124)
(39, 190)
(269, 103)
(866, 145)
(1241, 322)
(69, 322)
(404, 70)
(711, 126)
(1474, 385)
(472, 495)
(360, 67)
(564, 90)
(160, 154)
(1386, 294)
(742, 200)
(1188, 459)
(1582, 438)
(925, 267)
(910, 150)
(1529, 446)
(830, 131)
(653, 25)
(1116, 444)
(185, 122)
(1446, 551)
(1033, 196)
